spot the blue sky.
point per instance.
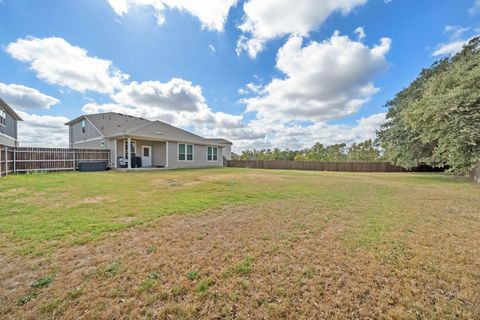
(262, 73)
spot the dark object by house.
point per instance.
(92, 166)
(123, 162)
(136, 162)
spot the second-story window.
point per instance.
(83, 126)
(3, 117)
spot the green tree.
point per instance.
(436, 120)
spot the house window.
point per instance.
(212, 154)
(185, 152)
(125, 148)
(3, 117)
(83, 126)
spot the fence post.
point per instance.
(6, 161)
(74, 164)
(14, 160)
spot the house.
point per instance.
(156, 143)
(8, 125)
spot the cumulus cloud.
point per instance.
(177, 102)
(211, 13)
(56, 61)
(175, 95)
(42, 131)
(265, 20)
(22, 97)
(323, 80)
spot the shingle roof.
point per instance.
(219, 141)
(114, 125)
(163, 131)
(9, 109)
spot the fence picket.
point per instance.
(32, 159)
(317, 165)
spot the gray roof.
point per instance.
(219, 141)
(9, 110)
(115, 125)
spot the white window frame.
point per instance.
(125, 142)
(3, 117)
(83, 126)
(186, 152)
(213, 147)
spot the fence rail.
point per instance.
(317, 166)
(27, 159)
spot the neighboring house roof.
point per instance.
(9, 110)
(115, 125)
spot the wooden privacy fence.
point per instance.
(26, 159)
(317, 166)
(475, 173)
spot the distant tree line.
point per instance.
(363, 151)
(436, 120)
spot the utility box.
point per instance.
(92, 166)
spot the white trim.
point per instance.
(89, 140)
(132, 141)
(186, 152)
(7, 136)
(115, 161)
(150, 153)
(129, 151)
(166, 148)
(93, 126)
(5, 112)
(212, 153)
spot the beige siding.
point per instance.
(158, 150)
(227, 151)
(76, 134)
(199, 157)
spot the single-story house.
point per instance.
(156, 143)
(8, 125)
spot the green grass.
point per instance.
(41, 212)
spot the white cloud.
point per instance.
(475, 8)
(360, 32)
(250, 88)
(212, 48)
(449, 48)
(323, 80)
(177, 102)
(265, 20)
(211, 13)
(57, 62)
(456, 41)
(42, 131)
(455, 32)
(175, 95)
(22, 97)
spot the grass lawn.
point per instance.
(239, 243)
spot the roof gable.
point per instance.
(9, 110)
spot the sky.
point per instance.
(261, 73)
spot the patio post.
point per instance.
(129, 150)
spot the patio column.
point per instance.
(129, 150)
(115, 156)
(166, 154)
